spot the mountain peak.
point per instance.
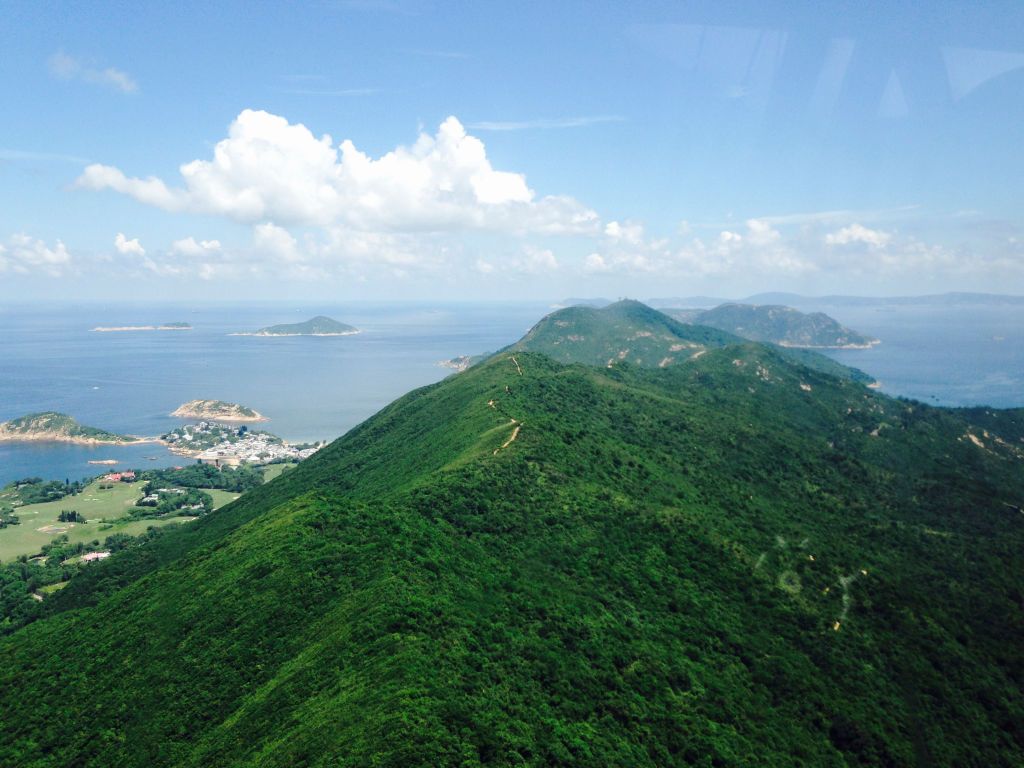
(626, 331)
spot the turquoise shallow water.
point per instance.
(319, 387)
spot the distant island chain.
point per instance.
(316, 326)
(163, 327)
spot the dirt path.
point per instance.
(512, 439)
(517, 365)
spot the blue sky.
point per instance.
(531, 150)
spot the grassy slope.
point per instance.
(629, 582)
(270, 471)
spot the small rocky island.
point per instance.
(51, 426)
(217, 410)
(317, 326)
(177, 326)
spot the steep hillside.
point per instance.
(785, 326)
(736, 561)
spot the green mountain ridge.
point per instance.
(629, 331)
(736, 560)
(776, 324)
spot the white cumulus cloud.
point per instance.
(758, 249)
(630, 233)
(189, 246)
(128, 247)
(25, 255)
(538, 260)
(527, 260)
(268, 169)
(594, 262)
(857, 233)
(276, 242)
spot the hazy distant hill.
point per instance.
(317, 326)
(732, 560)
(805, 302)
(703, 302)
(777, 324)
(572, 302)
(940, 299)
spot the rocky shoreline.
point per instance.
(116, 328)
(58, 437)
(868, 345)
(276, 335)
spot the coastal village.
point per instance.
(220, 444)
(224, 446)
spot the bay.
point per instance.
(311, 388)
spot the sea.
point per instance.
(317, 388)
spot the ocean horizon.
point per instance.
(317, 388)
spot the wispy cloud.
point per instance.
(19, 155)
(67, 67)
(545, 123)
(815, 217)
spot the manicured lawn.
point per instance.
(27, 539)
(100, 506)
(94, 503)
